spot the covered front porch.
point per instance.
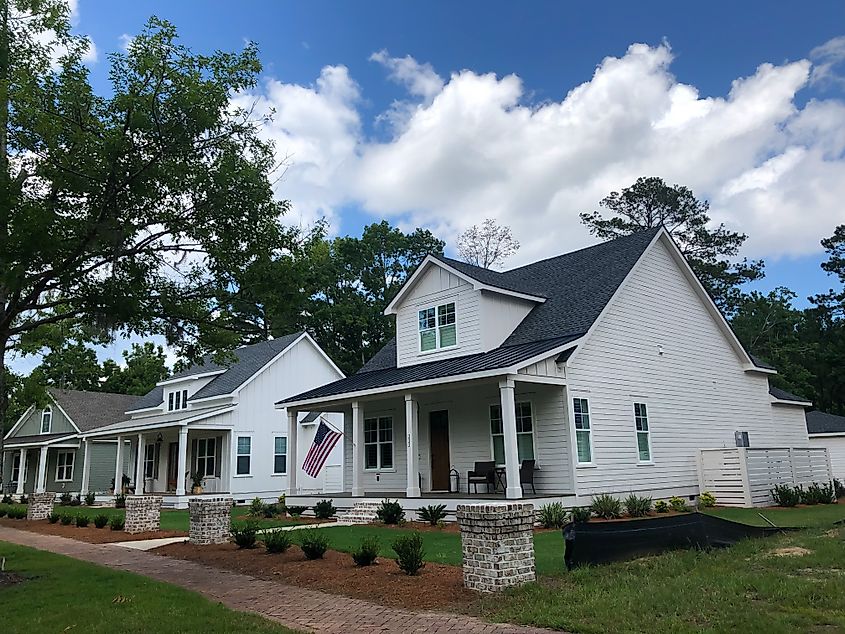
(427, 443)
(29, 462)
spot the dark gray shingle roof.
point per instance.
(153, 398)
(22, 440)
(91, 410)
(760, 363)
(824, 423)
(783, 395)
(502, 357)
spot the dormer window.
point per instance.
(46, 420)
(438, 327)
(177, 400)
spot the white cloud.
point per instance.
(474, 147)
(125, 40)
(829, 58)
(48, 38)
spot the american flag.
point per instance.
(324, 441)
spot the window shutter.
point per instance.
(194, 451)
(218, 449)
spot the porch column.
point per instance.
(508, 404)
(139, 467)
(293, 460)
(118, 467)
(41, 476)
(86, 466)
(182, 460)
(21, 472)
(412, 489)
(357, 450)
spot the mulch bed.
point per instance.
(423, 527)
(9, 579)
(89, 534)
(436, 587)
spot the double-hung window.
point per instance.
(244, 457)
(46, 420)
(641, 423)
(583, 430)
(438, 327)
(16, 468)
(378, 443)
(151, 461)
(206, 461)
(177, 400)
(280, 455)
(64, 466)
(524, 432)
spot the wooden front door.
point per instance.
(172, 465)
(438, 425)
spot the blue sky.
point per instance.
(423, 134)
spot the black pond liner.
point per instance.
(605, 542)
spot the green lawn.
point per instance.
(806, 516)
(62, 594)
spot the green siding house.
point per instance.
(44, 452)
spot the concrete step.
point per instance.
(360, 513)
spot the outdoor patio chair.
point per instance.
(526, 475)
(482, 473)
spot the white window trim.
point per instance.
(378, 443)
(642, 401)
(235, 473)
(177, 400)
(17, 457)
(437, 346)
(147, 448)
(47, 410)
(575, 430)
(517, 401)
(215, 455)
(72, 465)
(286, 454)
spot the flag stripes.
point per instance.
(324, 441)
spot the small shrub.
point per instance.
(277, 541)
(53, 517)
(390, 512)
(82, 521)
(313, 543)
(441, 524)
(89, 499)
(120, 501)
(76, 501)
(270, 510)
(816, 493)
(581, 514)
(637, 506)
(16, 513)
(243, 534)
(7, 499)
(3, 511)
(409, 553)
(100, 521)
(24, 500)
(64, 499)
(117, 523)
(706, 500)
(677, 504)
(661, 506)
(296, 511)
(367, 552)
(606, 506)
(324, 509)
(785, 495)
(67, 519)
(256, 508)
(433, 513)
(838, 488)
(552, 515)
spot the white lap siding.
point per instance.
(384, 480)
(658, 344)
(835, 446)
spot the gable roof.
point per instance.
(247, 361)
(783, 395)
(824, 423)
(92, 410)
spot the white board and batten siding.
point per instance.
(835, 445)
(658, 344)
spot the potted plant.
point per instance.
(196, 483)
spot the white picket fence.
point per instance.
(745, 476)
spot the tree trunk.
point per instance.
(4, 406)
(5, 208)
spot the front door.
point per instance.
(438, 425)
(172, 465)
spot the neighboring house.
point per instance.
(828, 430)
(219, 421)
(43, 450)
(609, 367)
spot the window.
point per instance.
(244, 455)
(64, 466)
(742, 439)
(206, 459)
(16, 468)
(46, 420)
(524, 432)
(151, 453)
(177, 400)
(582, 430)
(170, 402)
(438, 327)
(378, 443)
(641, 422)
(280, 455)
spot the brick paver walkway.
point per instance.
(297, 608)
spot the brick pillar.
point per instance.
(40, 506)
(143, 513)
(210, 520)
(498, 545)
